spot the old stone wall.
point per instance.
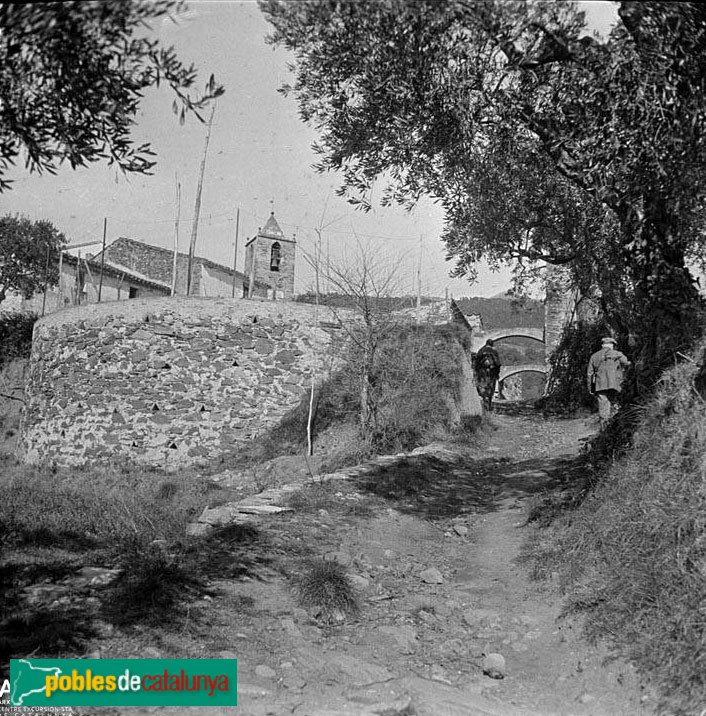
(168, 381)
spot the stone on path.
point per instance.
(359, 582)
(265, 672)
(404, 636)
(358, 671)
(494, 666)
(474, 617)
(431, 576)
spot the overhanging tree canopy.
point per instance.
(539, 140)
(72, 75)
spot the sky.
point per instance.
(259, 160)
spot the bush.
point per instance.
(566, 390)
(16, 335)
(634, 552)
(414, 381)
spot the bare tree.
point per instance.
(365, 283)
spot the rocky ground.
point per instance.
(449, 622)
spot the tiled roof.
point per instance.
(116, 272)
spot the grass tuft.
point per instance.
(151, 589)
(324, 585)
(45, 632)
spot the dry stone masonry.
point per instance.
(168, 381)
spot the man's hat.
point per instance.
(608, 339)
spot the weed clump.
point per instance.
(151, 588)
(324, 585)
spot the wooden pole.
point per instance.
(46, 281)
(176, 235)
(419, 281)
(78, 279)
(251, 269)
(197, 208)
(61, 266)
(100, 283)
(235, 250)
(90, 276)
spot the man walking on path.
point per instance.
(487, 367)
(606, 370)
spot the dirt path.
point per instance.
(436, 567)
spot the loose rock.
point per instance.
(265, 672)
(431, 576)
(494, 666)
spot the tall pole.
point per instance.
(79, 285)
(197, 208)
(46, 281)
(100, 282)
(419, 279)
(61, 268)
(176, 234)
(235, 250)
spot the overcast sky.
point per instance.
(259, 157)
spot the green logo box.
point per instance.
(123, 682)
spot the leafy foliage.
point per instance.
(540, 141)
(16, 335)
(29, 255)
(566, 390)
(72, 75)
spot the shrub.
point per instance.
(413, 382)
(16, 335)
(566, 390)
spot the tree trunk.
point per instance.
(668, 304)
(367, 408)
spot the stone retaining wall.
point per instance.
(167, 381)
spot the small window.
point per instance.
(275, 256)
(134, 292)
